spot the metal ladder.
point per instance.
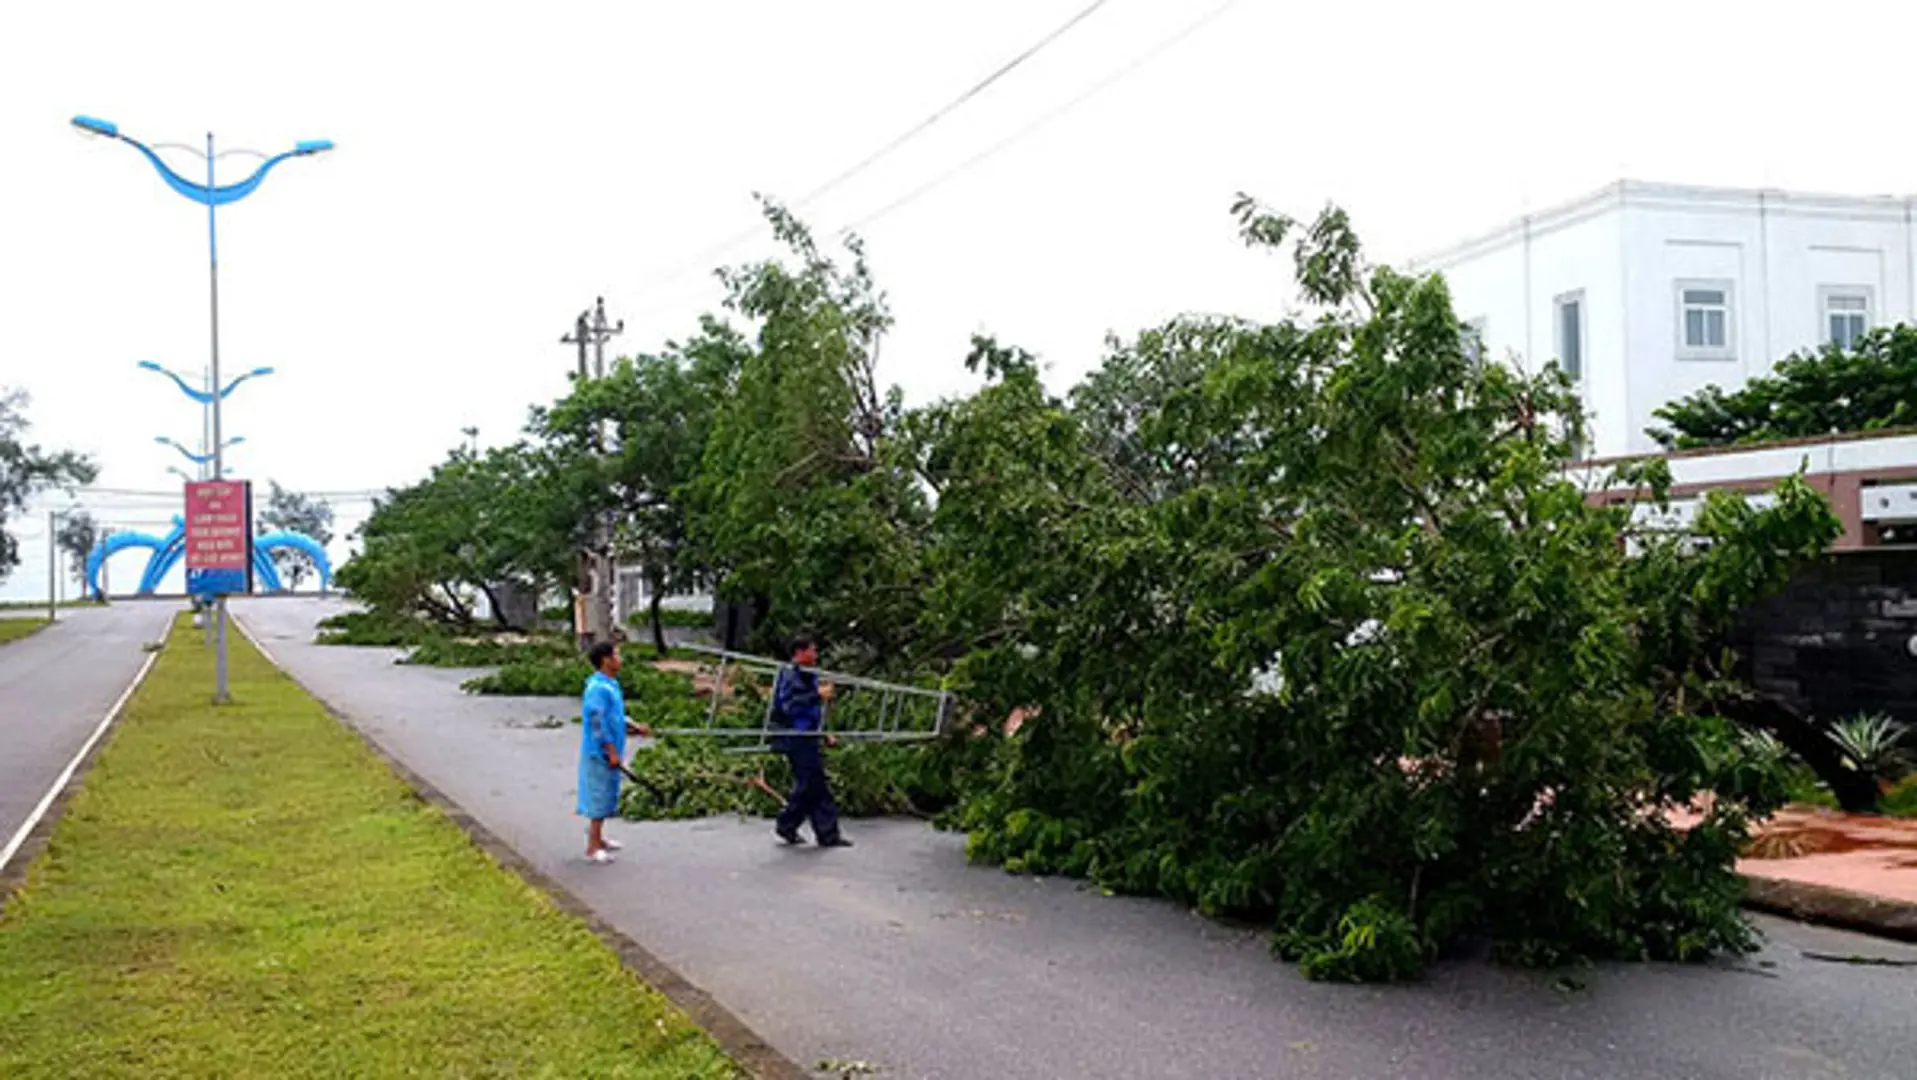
(864, 710)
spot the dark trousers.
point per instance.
(811, 797)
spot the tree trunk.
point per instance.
(655, 584)
(1856, 792)
(499, 613)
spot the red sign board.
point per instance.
(219, 526)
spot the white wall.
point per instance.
(1513, 286)
(1629, 245)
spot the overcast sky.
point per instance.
(498, 166)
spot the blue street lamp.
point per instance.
(211, 195)
(197, 459)
(203, 396)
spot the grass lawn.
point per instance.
(247, 891)
(13, 628)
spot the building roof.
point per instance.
(1817, 455)
(1659, 196)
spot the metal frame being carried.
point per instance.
(864, 710)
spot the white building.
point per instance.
(1649, 292)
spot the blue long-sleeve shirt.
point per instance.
(603, 717)
(797, 695)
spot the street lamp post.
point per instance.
(212, 196)
(206, 398)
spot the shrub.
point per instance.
(374, 628)
(491, 651)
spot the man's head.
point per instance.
(804, 651)
(604, 658)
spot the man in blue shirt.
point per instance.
(800, 704)
(602, 748)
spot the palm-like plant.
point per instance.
(1872, 744)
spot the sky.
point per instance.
(500, 166)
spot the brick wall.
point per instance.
(1838, 640)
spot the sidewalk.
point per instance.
(900, 954)
(1846, 870)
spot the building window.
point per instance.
(1704, 320)
(1570, 334)
(1846, 310)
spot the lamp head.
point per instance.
(151, 366)
(258, 371)
(312, 146)
(95, 126)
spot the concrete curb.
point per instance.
(1826, 906)
(744, 1045)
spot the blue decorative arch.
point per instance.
(265, 545)
(168, 550)
(115, 543)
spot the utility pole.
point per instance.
(601, 333)
(580, 337)
(596, 569)
(53, 564)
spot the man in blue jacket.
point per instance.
(800, 702)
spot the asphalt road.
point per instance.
(899, 954)
(56, 685)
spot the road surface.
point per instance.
(899, 954)
(56, 685)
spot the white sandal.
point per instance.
(602, 856)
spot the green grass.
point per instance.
(247, 891)
(678, 617)
(41, 605)
(13, 628)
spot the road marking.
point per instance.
(59, 785)
(248, 634)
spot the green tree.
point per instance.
(76, 538)
(1316, 633)
(26, 470)
(296, 512)
(1829, 391)
(659, 412)
(800, 505)
(510, 515)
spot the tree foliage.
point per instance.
(508, 516)
(27, 470)
(799, 504)
(297, 512)
(75, 539)
(1302, 619)
(657, 413)
(1829, 391)
(1317, 633)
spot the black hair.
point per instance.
(799, 641)
(596, 656)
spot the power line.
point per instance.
(1099, 87)
(174, 496)
(977, 89)
(702, 261)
